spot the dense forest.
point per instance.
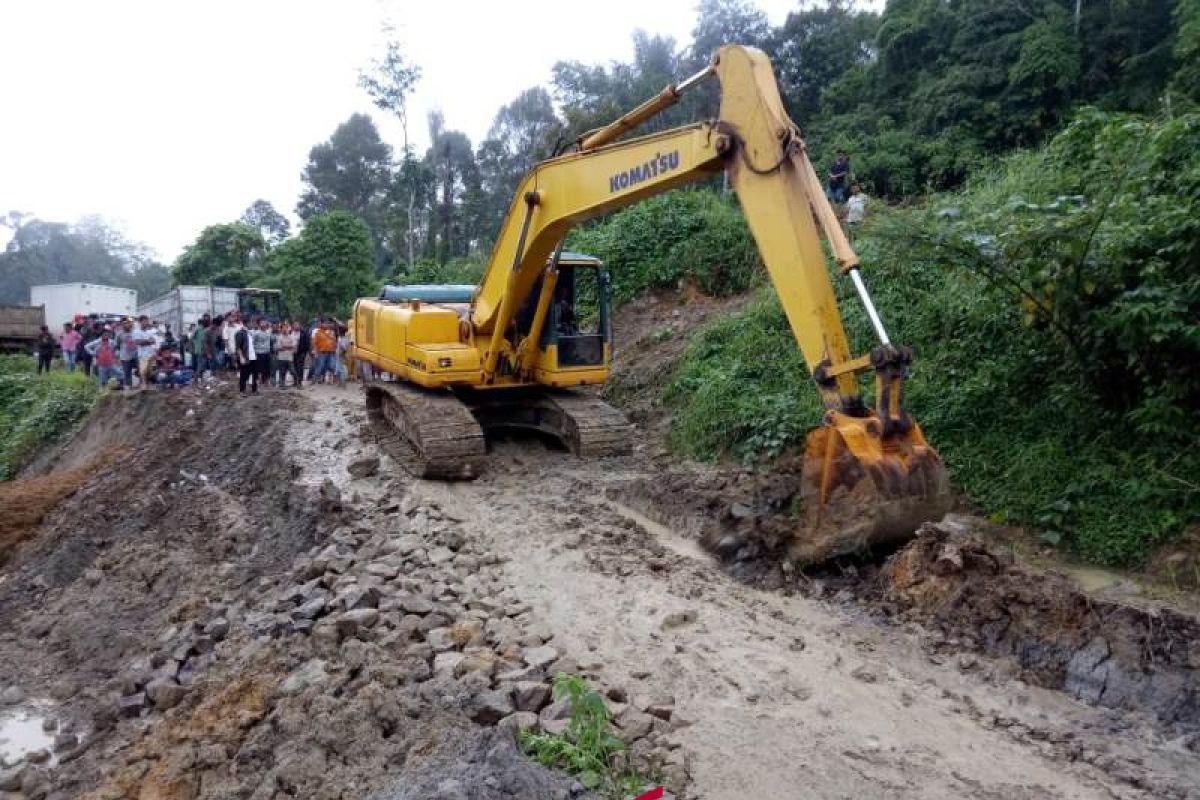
(920, 95)
(1034, 223)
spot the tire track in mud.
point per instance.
(779, 692)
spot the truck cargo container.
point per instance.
(19, 328)
(65, 301)
(183, 306)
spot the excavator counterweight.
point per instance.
(537, 325)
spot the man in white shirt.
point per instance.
(147, 346)
(232, 324)
(856, 206)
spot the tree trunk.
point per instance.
(412, 234)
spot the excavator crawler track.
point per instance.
(432, 434)
(585, 425)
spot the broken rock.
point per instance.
(363, 467)
(539, 657)
(530, 695)
(490, 707)
(164, 693)
(519, 721)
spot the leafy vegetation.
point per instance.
(456, 270)
(323, 269)
(692, 234)
(35, 409)
(1055, 309)
(587, 748)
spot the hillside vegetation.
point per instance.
(35, 409)
(1054, 305)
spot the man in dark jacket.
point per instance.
(45, 350)
(303, 346)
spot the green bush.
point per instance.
(35, 409)
(588, 747)
(1054, 307)
(743, 388)
(694, 234)
(457, 270)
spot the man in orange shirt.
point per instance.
(324, 342)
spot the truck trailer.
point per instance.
(19, 327)
(183, 306)
(65, 301)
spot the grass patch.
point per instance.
(587, 748)
(36, 409)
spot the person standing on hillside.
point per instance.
(340, 365)
(244, 357)
(68, 341)
(44, 349)
(104, 352)
(147, 348)
(856, 210)
(197, 345)
(261, 333)
(839, 176)
(233, 324)
(127, 351)
(83, 358)
(324, 342)
(213, 346)
(303, 347)
(285, 342)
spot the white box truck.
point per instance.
(183, 306)
(64, 301)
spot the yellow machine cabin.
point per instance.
(451, 362)
(429, 338)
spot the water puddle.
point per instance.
(22, 732)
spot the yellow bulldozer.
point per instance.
(450, 363)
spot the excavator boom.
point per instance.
(869, 474)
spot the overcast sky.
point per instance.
(168, 115)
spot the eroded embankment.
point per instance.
(973, 596)
(1103, 652)
(213, 615)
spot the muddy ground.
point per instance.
(251, 601)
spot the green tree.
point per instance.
(350, 172)
(389, 82)
(273, 225)
(89, 251)
(228, 254)
(451, 160)
(815, 47)
(523, 133)
(593, 95)
(150, 280)
(720, 22)
(326, 267)
(1187, 50)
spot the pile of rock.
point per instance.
(401, 600)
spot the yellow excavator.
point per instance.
(448, 363)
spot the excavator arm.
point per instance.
(869, 476)
(760, 148)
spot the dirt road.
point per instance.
(322, 626)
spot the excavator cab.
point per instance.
(567, 312)
(577, 326)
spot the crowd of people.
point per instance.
(258, 351)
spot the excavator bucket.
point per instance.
(862, 489)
